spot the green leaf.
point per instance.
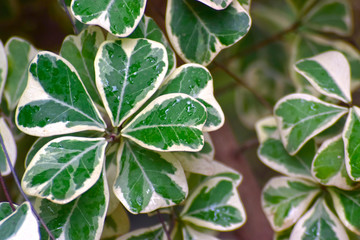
(81, 219)
(55, 100)
(5, 210)
(285, 199)
(151, 233)
(185, 232)
(111, 175)
(80, 50)
(19, 54)
(273, 154)
(38, 144)
(328, 166)
(172, 122)
(300, 5)
(128, 72)
(319, 223)
(284, 235)
(347, 206)
(198, 33)
(333, 16)
(10, 146)
(196, 81)
(217, 4)
(351, 142)
(215, 204)
(307, 45)
(64, 168)
(21, 224)
(329, 73)
(116, 224)
(148, 29)
(266, 128)
(301, 117)
(3, 68)
(146, 181)
(120, 17)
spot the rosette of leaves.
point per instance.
(108, 118)
(318, 196)
(195, 28)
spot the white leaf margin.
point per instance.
(10, 145)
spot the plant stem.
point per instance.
(161, 219)
(246, 146)
(242, 83)
(7, 195)
(16, 179)
(76, 31)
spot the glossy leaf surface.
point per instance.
(55, 100)
(80, 50)
(329, 73)
(319, 223)
(328, 166)
(198, 33)
(146, 181)
(196, 81)
(285, 199)
(215, 204)
(65, 168)
(120, 17)
(172, 122)
(152, 233)
(148, 29)
(301, 117)
(81, 219)
(3, 68)
(128, 72)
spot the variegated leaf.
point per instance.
(347, 206)
(328, 166)
(217, 4)
(19, 54)
(5, 210)
(80, 50)
(148, 29)
(146, 181)
(266, 128)
(186, 232)
(20, 224)
(301, 117)
(154, 233)
(307, 45)
(215, 204)
(10, 147)
(351, 141)
(128, 72)
(111, 175)
(273, 154)
(329, 73)
(64, 168)
(55, 100)
(81, 219)
(197, 32)
(196, 81)
(283, 235)
(285, 199)
(334, 16)
(3, 68)
(120, 17)
(116, 224)
(319, 223)
(172, 122)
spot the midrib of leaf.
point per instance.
(92, 81)
(303, 164)
(211, 207)
(351, 198)
(123, 89)
(141, 168)
(293, 197)
(74, 159)
(199, 19)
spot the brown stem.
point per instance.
(161, 219)
(7, 195)
(16, 179)
(242, 83)
(76, 31)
